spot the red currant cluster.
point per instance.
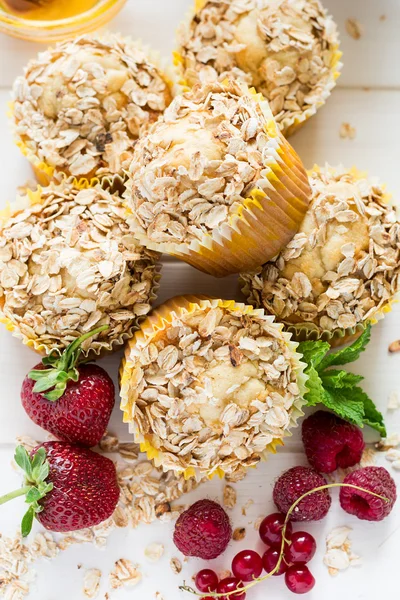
(287, 559)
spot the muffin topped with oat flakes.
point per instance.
(210, 386)
(341, 271)
(80, 106)
(68, 263)
(215, 183)
(286, 49)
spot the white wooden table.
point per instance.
(368, 97)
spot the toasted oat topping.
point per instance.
(196, 166)
(68, 263)
(214, 389)
(287, 49)
(81, 106)
(343, 266)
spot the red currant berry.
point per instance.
(301, 549)
(271, 529)
(206, 580)
(299, 579)
(247, 565)
(230, 584)
(270, 560)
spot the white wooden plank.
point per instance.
(370, 61)
(375, 542)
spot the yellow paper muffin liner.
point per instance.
(157, 322)
(288, 125)
(45, 173)
(265, 222)
(33, 197)
(306, 331)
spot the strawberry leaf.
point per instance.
(27, 521)
(63, 368)
(33, 495)
(22, 459)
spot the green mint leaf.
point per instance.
(315, 388)
(33, 495)
(344, 405)
(23, 460)
(348, 354)
(339, 379)
(313, 352)
(27, 521)
(372, 416)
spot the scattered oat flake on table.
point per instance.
(383, 18)
(354, 28)
(258, 522)
(385, 444)
(154, 552)
(393, 401)
(246, 506)
(176, 565)
(229, 496)
(124, 573)
(338, 556)
(159, 596)
(91, 583)
(347, 132)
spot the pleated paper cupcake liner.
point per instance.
(158, 322)
(98, 347)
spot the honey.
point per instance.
(46, 10)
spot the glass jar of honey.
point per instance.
(51, 20)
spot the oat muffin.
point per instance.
(210, 386)
(341, 270)
(215, 183)
(286, 49)
(69, 264)
(80, 106)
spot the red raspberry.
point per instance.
(203, 530)
(363, 505)
(331, 442)
(294, 483)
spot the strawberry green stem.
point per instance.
(20, 492)
(186, 588)
(62, 368)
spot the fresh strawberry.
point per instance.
(67, 487)
(78, 401)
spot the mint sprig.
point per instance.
(36, 486)
(336, 389)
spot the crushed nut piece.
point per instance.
(354, 28)
(395, 346)
(239, 534)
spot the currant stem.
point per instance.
(20, 492)
(321, 488)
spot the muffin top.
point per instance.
(286, 49)
(68, 264)
(343, 265)
(213, 388)
(81, 106)
(192, 172)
